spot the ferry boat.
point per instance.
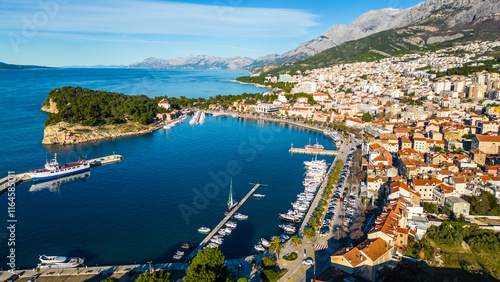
(55, 184)
(59, 262)
(53, 170)
(203, 229)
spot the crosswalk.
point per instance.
(318, 247)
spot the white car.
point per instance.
(308, 261)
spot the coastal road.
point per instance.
(296, 270)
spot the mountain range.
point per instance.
(442, 20)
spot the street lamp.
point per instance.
(149, 262)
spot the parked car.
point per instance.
(308, 261)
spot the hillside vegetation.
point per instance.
(428, 35)
(88, 107)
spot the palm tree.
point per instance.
(309, 233)
(296, 242)
(275, 246)
(314, 223)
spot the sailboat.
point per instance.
(231, 203)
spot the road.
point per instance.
(296, 270)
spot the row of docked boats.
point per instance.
(175, 122)
(316, 171)
(218, 239)
(198, 118)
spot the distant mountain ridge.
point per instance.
(4, 66)
(443, 16)
(195, 62)
(385, 19)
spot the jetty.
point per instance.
(223, 221)
(15, 179)
(312, 151)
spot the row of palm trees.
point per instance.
(276, 246)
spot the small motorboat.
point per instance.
(204, 230)
(240, 216)
(259, 248)
(259, 196)
(187, 246)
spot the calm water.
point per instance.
(169, 184)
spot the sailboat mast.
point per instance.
(230, 201)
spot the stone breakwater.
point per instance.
(64, 133)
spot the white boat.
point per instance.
(265, 243)
(228, 231)
(259, 196)
(53, 170)
(240, 216)
(260, 248)
(288, 228)
(59, 262)
(222, 232)
(176, 256)
(55, 184)
(231, 224)
(204, 229)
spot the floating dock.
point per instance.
(14, 179)
(219, 226)
(313, 151)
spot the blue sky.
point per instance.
(120, 32)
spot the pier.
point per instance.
(224, 220)
(15, 179)
(313, 152)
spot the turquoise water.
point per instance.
(168, 185)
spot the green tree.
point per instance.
(270, 275)
(244, 280)
(208, 265)
(275, 246)
(110, 279)
(296, 242)
(157, 276)
(309, 233)
(367, 117)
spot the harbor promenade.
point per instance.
(312, 152)
(223, 221)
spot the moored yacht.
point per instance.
(59, 262)
(204, 229)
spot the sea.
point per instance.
(169, 184)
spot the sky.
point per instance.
(121, 32)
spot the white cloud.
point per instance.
(154, 17)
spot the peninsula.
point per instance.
(78, 115)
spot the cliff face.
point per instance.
(52, 108)
(64, 133)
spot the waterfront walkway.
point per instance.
(312, 152)
(224, 220)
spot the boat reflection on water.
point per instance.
(54, 185)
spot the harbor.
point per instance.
(16, 179)
(224, 220)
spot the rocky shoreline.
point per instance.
(64, 133)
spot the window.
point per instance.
(401, 242)
(400, 235)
